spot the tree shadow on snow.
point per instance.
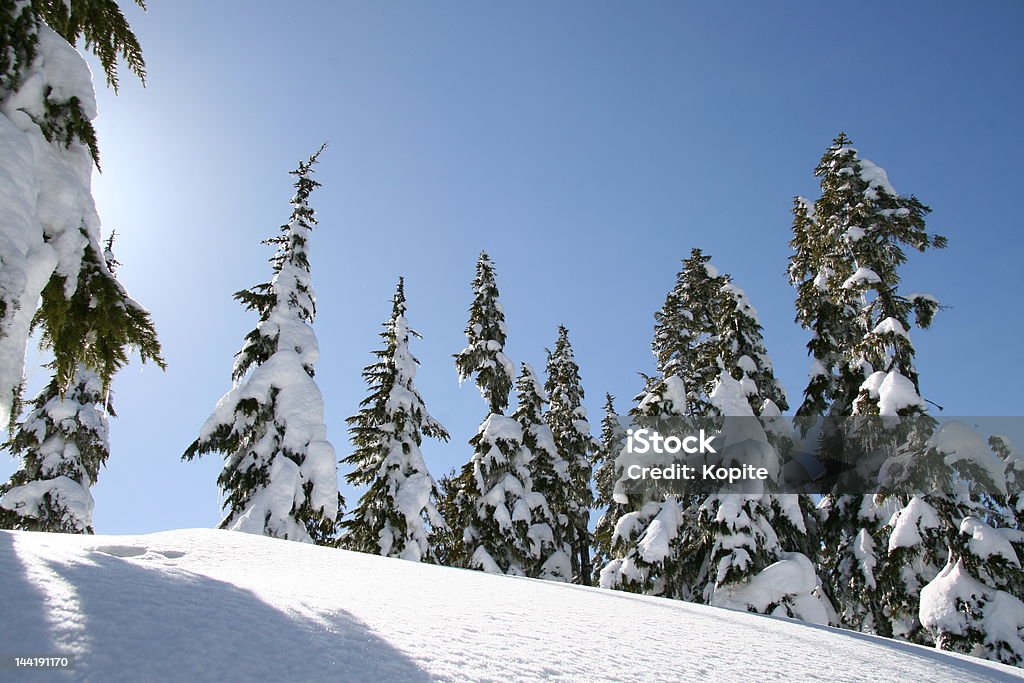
(24, 626)
(160, 622)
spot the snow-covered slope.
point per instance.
(205, 605)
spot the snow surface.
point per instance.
(211, 605)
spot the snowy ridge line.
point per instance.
(211, 605)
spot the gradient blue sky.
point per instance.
(587, 146)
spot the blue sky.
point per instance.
(586, 146)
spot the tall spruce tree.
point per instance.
(647, 551)
(849, 245)
(487, 505)
(612, 440)
(62, 442)
(954, 475)
(50, 245)
(549, 484)
(568, 421)
(280, 476)
(397, 514)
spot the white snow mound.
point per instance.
(208, 605)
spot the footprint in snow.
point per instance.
(137, 551)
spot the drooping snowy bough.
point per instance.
(50, 244)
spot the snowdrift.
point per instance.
(207, 605)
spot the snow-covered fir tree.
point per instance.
(487, 504)
(62, 442)
(549, 482)
(612, 440)
(1012, 506)
(744, 565)
(950, 476)
(848, 249)
(568, 421)
(849, 245)
(397, 514)
(973, 604)
(280, 475)
(50, 248)
(646, 550)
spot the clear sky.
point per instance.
(587, 146)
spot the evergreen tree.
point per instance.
(568, 421)
(742, 347)
(646, 551)
(549, 484)
(743, 564)
(487, 505)
(612, 441)
(973, 604)
(848, 246)
(397, 513)
(483, 359)
(949, 471)
(50, 248)
(62, 444)
(279, 476)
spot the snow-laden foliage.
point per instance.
(568, 421)
(279, 476)
(397, 514)
(49, 229)
(613, 437)
(956, 474)
(745, 566)
(484, 358)
(973, 604)
(848, 250)
(699, 544)
(62, 442)
(849, 246)
(489, 505)
(550, 477)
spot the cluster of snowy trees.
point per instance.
(937, 563)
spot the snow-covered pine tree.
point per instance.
(486, 505)
(742, 343)
(280, 474)
(647, 555)
(62, 443)
(743, 354)
(568, 421)
(612, 440)
(549, 483)
(397, 514)
(973, 604)
(742, 563)
(954, 473)
(848, 248)
(49, 241)
(1012, 508)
